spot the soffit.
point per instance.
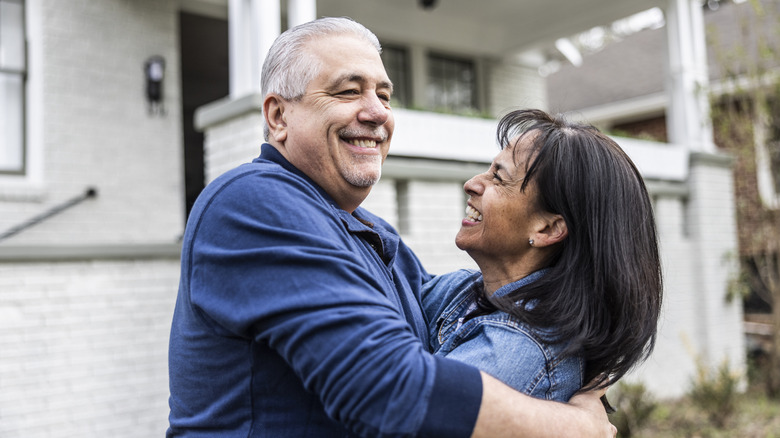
(497, 27)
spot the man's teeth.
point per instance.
(363, 143)
(472, 214)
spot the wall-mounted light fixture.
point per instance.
(427, 4)
(154, 72)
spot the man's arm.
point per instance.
(505, 412)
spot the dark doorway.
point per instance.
(204, 79)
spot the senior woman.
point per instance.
(569, 288)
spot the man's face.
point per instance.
(339, 132)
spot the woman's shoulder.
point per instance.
(440, 292)
(516, 354)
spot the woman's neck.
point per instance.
(495, 276)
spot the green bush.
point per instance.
(634, 406)
(715, 392)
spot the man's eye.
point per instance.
(351, 92)
(384, 97)
(496, 177)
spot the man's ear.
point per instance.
(273, 112)
(552, 229)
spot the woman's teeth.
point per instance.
(472, 214)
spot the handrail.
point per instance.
(91, 192)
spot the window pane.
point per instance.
(773, 144)
(451, 84)
(397, 66)
(11, 35)
(11, 157)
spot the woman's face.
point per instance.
(500, 217)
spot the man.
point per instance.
(298, 312)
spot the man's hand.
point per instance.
(591, 405)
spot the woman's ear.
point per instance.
(552, 230)
(273, 112)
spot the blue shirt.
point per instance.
(497, 343)
(297, 319)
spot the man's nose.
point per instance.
(374, 110)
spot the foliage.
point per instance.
(715, 392)
(745, 117)
(755, 416)
(738, 286)
(634, 406)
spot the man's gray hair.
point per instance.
(288, 68)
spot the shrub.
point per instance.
(715, 392)
(634, 406)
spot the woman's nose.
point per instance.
(473, 186)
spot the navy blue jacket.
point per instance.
(297, 319)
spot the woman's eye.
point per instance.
(496, 177)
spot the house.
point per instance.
(743, 62)
(117, 112)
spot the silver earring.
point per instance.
(531, 242)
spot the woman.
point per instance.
(569, 287)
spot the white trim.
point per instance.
(301, 11)
(30, 187)
(253, 25)
(624, 110)
(687, 80)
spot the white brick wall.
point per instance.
(514, 86)
(232, 143)
(92, 126)
(83, 348)
(696, 238)
(436, 210)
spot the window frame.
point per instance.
(19, 72)
(403, 90)
(474, 105)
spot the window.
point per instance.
(767, 150)
(12, 74)
(396, 60)
(451, 84)
(773, 147)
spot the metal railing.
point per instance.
(90, 192)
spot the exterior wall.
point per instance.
(698, 242)
(88, 118)
(231, 143)
(83, 339)
(652, 129)
(513, 86)
(435, 209)
(713, 228)
(83, 347)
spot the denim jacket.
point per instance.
(497, 343)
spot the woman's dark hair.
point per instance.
(602, 292)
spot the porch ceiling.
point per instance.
(490, 27)
(479, 27)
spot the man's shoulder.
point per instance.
(262, 181)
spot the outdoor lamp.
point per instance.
(154, 71)
(427, 4)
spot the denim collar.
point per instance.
(528, 279)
